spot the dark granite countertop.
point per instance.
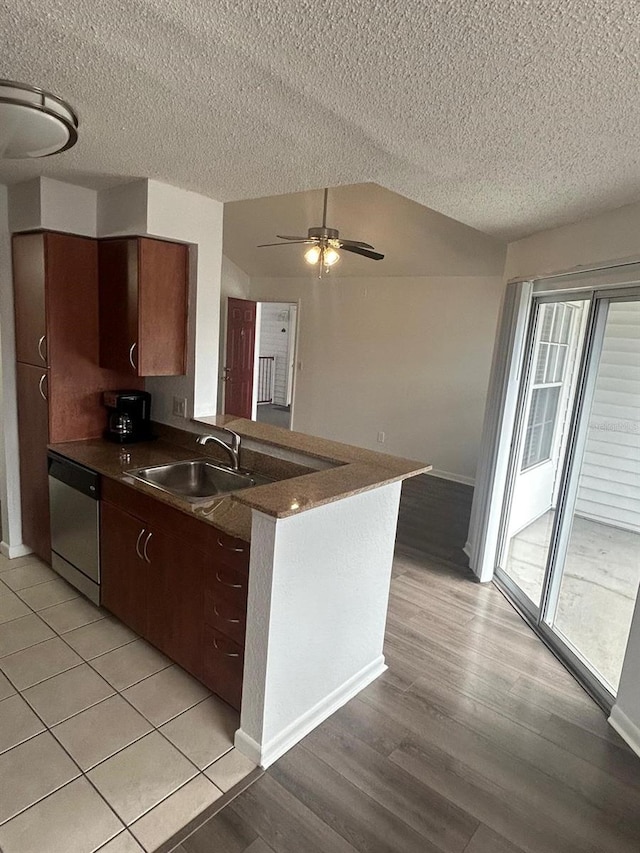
(296, 488)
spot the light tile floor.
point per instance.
(105, 745)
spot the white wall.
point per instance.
(605, 238)
(46, 203)
(608, 237)
(316, 614)
(625, 715)
(10, 476)
(409, 357)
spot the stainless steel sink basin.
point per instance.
(197, 479)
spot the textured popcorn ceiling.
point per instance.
(508, 115)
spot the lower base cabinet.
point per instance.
(184, 594)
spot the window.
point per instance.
(550, 363)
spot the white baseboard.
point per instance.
(265, 754)
(456, 478)
(13, 551)
(626, 728)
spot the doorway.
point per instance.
(569, 546)
(275, 355)
(259, 373)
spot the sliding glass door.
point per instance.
(570, 543)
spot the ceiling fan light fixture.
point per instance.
(312, 255)
(331, 257)
(34, 123)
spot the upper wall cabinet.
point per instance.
(29, 297)
(143, 306)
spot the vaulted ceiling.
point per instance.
(508, 116)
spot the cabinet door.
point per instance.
(118, 289)
(175, 599)
(29, 299)
(162, 307)
(33, 431)
(123, 570)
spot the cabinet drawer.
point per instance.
(226, 615)
(229, 584)
(233, 552)
(223, 665)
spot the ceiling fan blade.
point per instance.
(366, 253)
(356, 243)
(297, 239)
(290, 243)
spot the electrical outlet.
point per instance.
(381, 438)
(180, 407)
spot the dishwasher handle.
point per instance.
(76, 476)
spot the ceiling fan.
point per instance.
(324, 244)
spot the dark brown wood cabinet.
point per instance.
(56, 320)
(143, 306)
(33, 418)
(175, 599)
(124, 571)
(180, 583)
(29, 299)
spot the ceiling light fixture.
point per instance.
(324, 243)
(34, 123)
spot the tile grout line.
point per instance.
(49, 729)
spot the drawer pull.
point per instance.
(227, 548)
(226, 654)
(224, 618)
(140, 535)
(226, 583)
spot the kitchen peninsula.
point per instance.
(318, 544)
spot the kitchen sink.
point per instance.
(197, 479)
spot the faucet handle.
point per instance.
(235, 438)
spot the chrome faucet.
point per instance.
(232, 449)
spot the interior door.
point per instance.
(241, 337)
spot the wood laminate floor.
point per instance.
(476, 740)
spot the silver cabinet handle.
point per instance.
(227, 548)
(226, 654)
(140, 535)
(145, 546)
(40, 384)
(224, 618)
(132, 349)
(42, 355)
(225, 583)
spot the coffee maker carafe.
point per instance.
(129, 417)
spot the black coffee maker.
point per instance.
(129, 417)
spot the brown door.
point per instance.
(241, 339)
(123, 570)
(28, 277)
(33, 429)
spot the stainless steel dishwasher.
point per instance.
(74, 505)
